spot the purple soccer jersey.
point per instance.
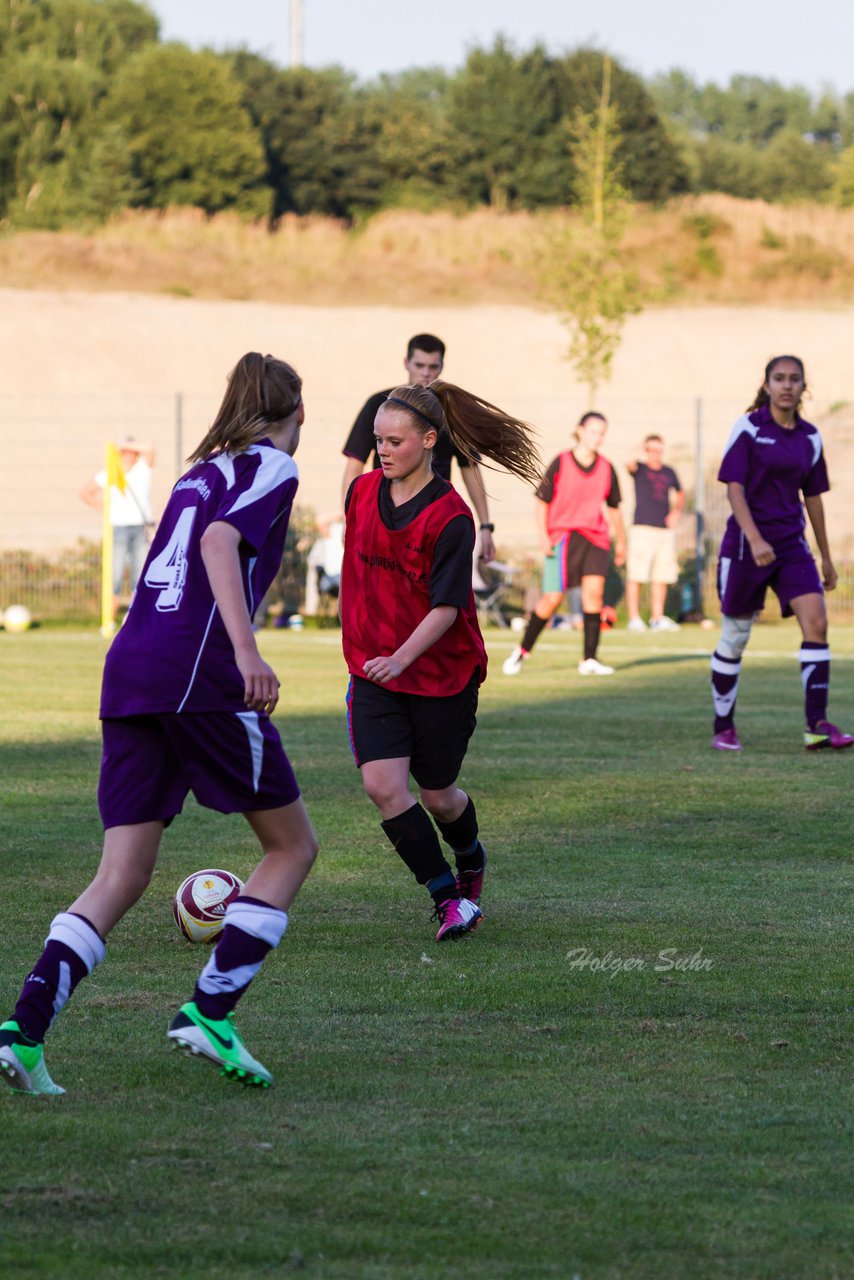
(173, 652)
(775, 465)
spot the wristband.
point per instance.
(487, 528)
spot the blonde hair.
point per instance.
(476, 427)
(261, 391)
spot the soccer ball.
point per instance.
(17, 618)
(201, 901)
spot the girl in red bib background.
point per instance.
(411, 637)
(578, 512)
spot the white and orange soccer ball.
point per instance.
(201, 901)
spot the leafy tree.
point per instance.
(415, 142)
(56, 57)
(190, 141)
(794, 169)
(497, 155)
(843, 180)
(649, 161)
(319, 135)
(732, 167)
(584, 272)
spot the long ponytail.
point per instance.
(261, 390)
(477, 428)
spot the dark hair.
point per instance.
(476, 427)
(588, 417)
(427, 342)
(762, 397)
(653, 435)
(261, 390)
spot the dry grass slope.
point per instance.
(709, 249)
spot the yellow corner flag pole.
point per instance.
(115, 479)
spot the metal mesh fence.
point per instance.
(50, 543)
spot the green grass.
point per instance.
(487, 1109)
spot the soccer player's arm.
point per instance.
(473, 481)
(762, 551)
(220, 545)
(543, 500)
(614, 516)
(677, 504)
(815, 484)
(815, 511)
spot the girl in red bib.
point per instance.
(578, 512)
(411, 637)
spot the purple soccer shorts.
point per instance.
(233, 762)
(742, 583)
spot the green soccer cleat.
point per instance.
(22, 1063)
(219, 1043)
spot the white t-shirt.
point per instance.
(134, 505)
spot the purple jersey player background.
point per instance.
(774, 458)
(173, 652)
(185, 706)
(775, 465)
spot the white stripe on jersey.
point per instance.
(249, 719)
(815, 441)
(198, 657)
(743, 424)
(275, 469)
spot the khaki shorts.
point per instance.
(652, 555)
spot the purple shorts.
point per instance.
(742, 583)
(233, 762)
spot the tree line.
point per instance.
(97, 114)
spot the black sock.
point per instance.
(592, 627)
(461, 833)
(414, 837)
(535, 626)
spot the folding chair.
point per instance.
(490, 582)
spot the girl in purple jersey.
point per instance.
(772, 457)
(185, 706)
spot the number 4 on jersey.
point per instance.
(169, 570)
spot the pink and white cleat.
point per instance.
(726, 740)
(456, 916)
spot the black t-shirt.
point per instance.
(652, 494)
(450, 572)
(360, 442)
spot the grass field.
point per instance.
(495, 1108)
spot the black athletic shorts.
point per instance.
(581, 559)
(433, 733)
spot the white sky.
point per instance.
(796, 43)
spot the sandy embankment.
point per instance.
(83, 368)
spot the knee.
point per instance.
(735, 633)
(386, 796)
(443, 805)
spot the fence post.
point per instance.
(700, 507)
(179, 432)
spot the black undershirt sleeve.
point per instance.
(613, 499)
(546, 491)
(450, 573)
